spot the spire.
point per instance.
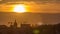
(15, 24)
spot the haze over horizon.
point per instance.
(32, 18)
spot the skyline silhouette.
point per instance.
(31, 18)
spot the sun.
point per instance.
(19, 8)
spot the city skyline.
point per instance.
(29, 16)
(32, 18)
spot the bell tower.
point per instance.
(15, 24)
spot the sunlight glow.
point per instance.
(19, 8)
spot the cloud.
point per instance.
(35, 6)
(43, 1)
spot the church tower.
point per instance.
(15, 24)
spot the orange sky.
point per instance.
(49, 7)
(33, 7)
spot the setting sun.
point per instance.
(19, 8)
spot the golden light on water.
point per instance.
(19, 8)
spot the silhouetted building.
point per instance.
(25, 29)
(24, 25)
(15, 24)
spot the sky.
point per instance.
(35, 6)
(41, 11)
